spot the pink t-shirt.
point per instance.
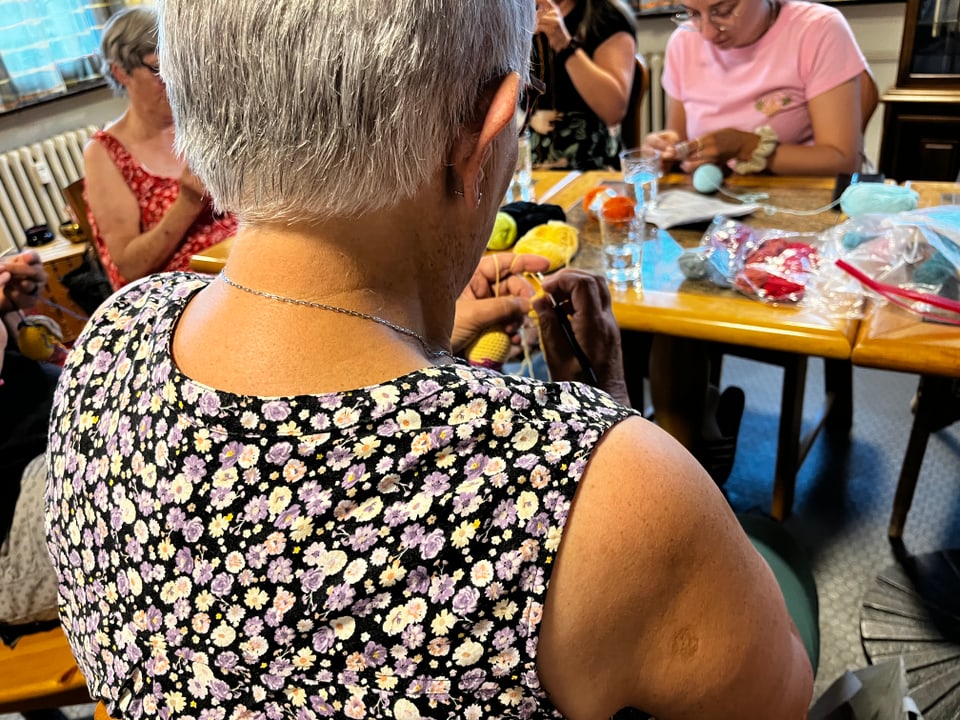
(810, 49)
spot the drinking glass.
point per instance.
(641, 170)
(521, 186)
(622, 249)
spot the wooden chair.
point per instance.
(631, 129)
(74, 196)
(40, 673)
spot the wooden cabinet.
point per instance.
(921, 134)
(921, 127)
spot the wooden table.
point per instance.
(670, 304)
(892, 338)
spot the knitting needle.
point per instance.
(564, 319)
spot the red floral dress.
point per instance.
(156, 194)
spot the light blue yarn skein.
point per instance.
(707, 179)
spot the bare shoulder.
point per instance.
(659, 594)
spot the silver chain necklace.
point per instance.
(343, 311)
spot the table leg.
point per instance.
(788, 438)
(838, 384)
(938, 405)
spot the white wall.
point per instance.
(878, 29)
(95, 107)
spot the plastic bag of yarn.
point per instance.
(912, 258)
(864, 198)
(777, 269)
(716, 258)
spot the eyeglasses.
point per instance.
(721, 18)
(155, 69)
(528, 101)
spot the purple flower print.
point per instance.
(280, 570)
(279, 453)
(413, 636)
(256, 509)
(396, 514)
(418, 580)
(230, 454)
(363, 538)
(222, 584)
(527, 462)
(227, 660)
(505, 514)
(209, 403)
(253, 626)
(192, 530)
(193, 468)
(276, 411)
(375, 654)
(441, 589)
(412, 535)
(436, 484)
(507, 565)
(312, 579)
(472, 679)
(340, 597)
(504, 638)
(288, 516)
(465, 601)
(432, 545)
(176, 518)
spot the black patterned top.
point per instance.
(378, 553)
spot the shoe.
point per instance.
(718, 454)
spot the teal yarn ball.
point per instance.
(707, 178)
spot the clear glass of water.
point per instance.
(641, 170)
(622, 249)
(521, 187)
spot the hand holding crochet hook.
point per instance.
(579, 336)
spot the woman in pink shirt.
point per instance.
(763, 85)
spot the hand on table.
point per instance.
(585, 299)
(497, 295)
(22, 277)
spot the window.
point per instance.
(48, 48)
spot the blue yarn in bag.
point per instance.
(864, 198)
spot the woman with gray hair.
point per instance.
(278, 492)
(148, 212)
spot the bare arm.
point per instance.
(658, 600)
(135, 252)
(837, 136)
(604, 80)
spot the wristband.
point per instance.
(765, 148)
(563, 55)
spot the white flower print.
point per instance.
(525, 438)
(468, 653)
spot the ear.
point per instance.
(119, 74)
(498, 107)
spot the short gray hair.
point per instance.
(294, 110)
(128, 37)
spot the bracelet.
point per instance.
(563, 55)
(758, 161)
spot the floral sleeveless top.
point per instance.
(378, 553)
(156, 194)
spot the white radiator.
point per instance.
(655, 98)
(31, 178)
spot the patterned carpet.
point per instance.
(843, 497)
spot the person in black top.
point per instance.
(584, 52)
(28, 589)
